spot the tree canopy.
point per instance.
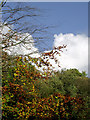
(29, 94)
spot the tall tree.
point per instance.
(19, 18)
(18, 26)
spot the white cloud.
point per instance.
(23, 48)
(76, 55)
(5, 29)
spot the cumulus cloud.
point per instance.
(26, 41)
(24, 49)
(76, 53)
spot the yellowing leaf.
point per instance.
(24, 83)
(15, 74)
(61, 103)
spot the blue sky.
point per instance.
(66, 17)
(63, 17)
(69, 25)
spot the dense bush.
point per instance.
(17, 105)
(67, 82)
(28, 95)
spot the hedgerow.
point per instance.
(22, 98)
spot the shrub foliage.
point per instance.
(29, 95)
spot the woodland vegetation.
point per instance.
(29, 94)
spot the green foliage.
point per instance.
(28, 95)
(16, 105)
(66, 82)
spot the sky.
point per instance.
(65, 17)
(69, 26)
(61, 17)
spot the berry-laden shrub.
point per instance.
(17, 105)
(57, 107)
(14, 102)
(18, 89)
(21, 101)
